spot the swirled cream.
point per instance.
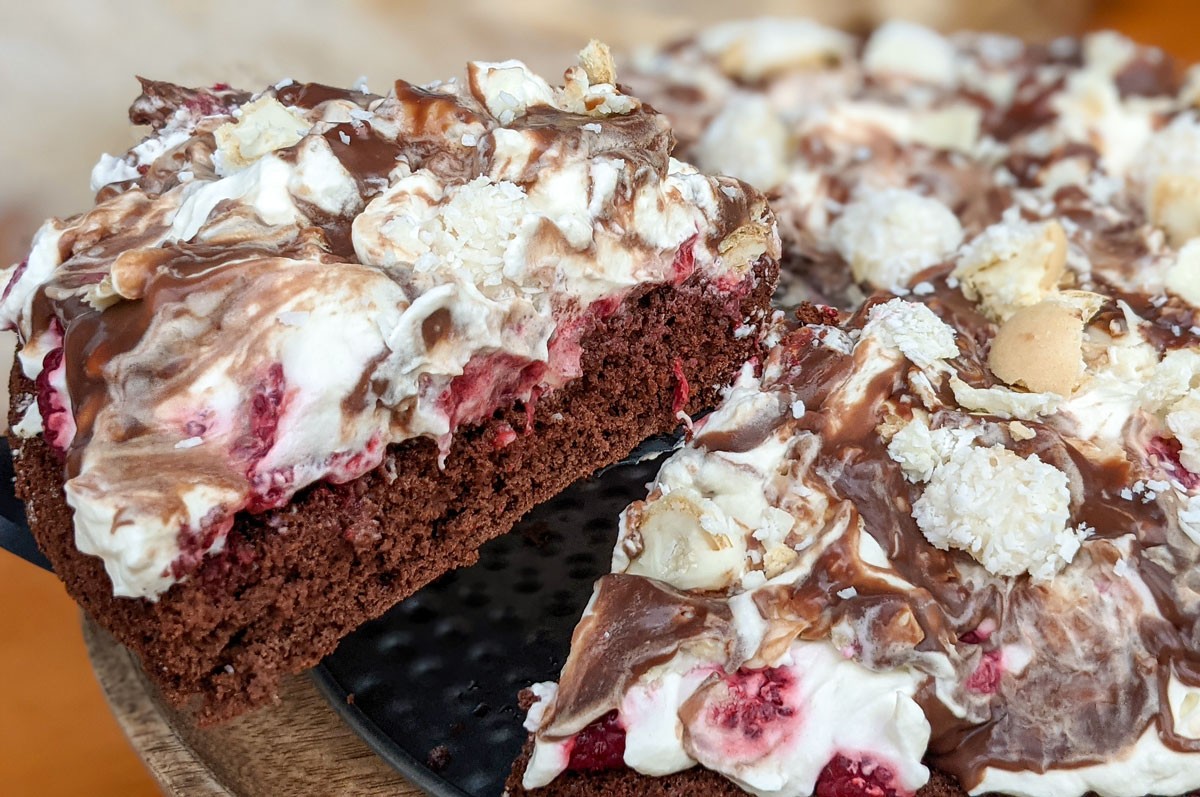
(272, 289)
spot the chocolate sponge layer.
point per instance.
(292, 582)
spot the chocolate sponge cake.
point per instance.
(313, 346)
(946, 541)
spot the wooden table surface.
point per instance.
(57, 735)
(297, 748)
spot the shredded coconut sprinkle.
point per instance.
(958, 510)
(914, 329)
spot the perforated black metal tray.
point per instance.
(14, 531)
(432, 685)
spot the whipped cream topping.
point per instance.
(981, 484)
(273, 289)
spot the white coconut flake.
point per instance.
(888, 236)
(920, 450)
(912, 328)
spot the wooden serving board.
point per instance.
(296, 748)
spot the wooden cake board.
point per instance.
(296, 748)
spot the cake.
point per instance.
(950, 127)
(946, 541)
(313, 346)
(879, 558)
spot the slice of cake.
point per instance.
(313, 346)
(923, 138)
(948, 543)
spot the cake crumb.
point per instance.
(1020, 431)
(438, 758)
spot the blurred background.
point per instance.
(67, 72)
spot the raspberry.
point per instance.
(603, 308)
(756, 700)
(743, 717)
(505, 435)
(986, 678)
(531, 406)
(47, 401)
(733, 287)
(1166, 451)
(214, 569)
(270, 489)
(843, 777)
(571, 326)
(203, 102)
(58, 424)
(685, 261)
(682, 390)
(489, 382)
(344, 466)
(265, 409)
(599, 746)
(194, 544)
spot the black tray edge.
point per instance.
(417, 772)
